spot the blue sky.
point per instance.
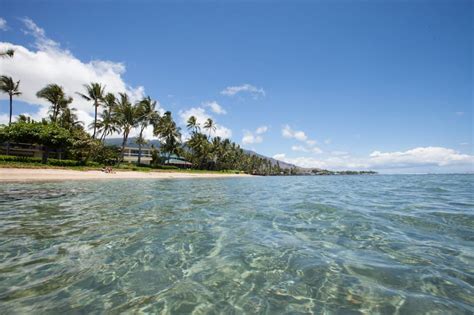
(385, 85)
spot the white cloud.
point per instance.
(3, 24)
(254, 137)
(287, 132)
(327, 141)
(301, 148)
(248, 88)
(215, 107)
(421, 159)
(201, 117)
(50, 63)
(424, 156)
(250, 138)
(299, 135)
(261, 130)
(460, 113)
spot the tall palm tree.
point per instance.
(8, 86)
(106, 123)
(127, 117)
(148, 115)
(94, 92)
(210, 126)
(193, 125)
(7, 53)
(54, 94)
(168, 133)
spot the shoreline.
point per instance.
(41, 175)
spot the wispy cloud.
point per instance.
(437, 156)
(289, 133)
(301, 148)
(459, 113)
(310, 144)
(215, 107)
(262, 129)
(244, 88)
(430, 159)
(3, 24)
(254, 137)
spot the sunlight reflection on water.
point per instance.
(339, 244)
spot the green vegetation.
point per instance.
(63, 137)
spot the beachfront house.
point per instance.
(131, 152)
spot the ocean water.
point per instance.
(265, 245)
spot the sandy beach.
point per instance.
(22, 175)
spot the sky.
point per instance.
(380, 85)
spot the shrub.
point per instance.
(67, 163)
(52, 162)
(165, 167)
(20, 159)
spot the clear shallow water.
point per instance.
(335, 245)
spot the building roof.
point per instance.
(177, 162)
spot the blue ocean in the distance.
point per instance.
(398, 244)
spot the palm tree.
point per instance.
(7, 53)
(68, 119)
(147, 116)
(126, 116)
(54, 94)
(210, 126)
(24, 119)
(169, 134)
(199, 147)
(8, 86)
(193, 125)
(94, 92)
(106, 123)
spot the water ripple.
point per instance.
(299, 245)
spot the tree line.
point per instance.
(117, 114)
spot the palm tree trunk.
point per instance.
(124, 142)
(102, 138)
(11, 110)
(54, 112)
(140, 147)
(9, 122)
(95, 118)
